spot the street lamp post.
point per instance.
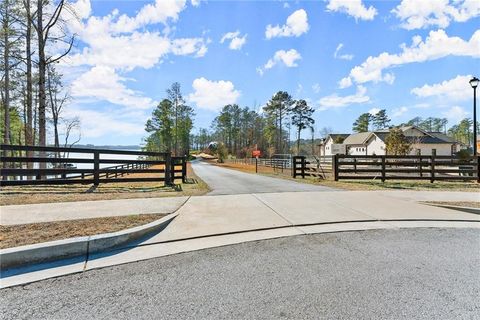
(474, 83)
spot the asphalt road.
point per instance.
(228, 181)
(383, 274)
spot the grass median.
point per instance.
(23, 234)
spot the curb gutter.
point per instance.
(80, 246)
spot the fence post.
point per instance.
(432, 168)
(168, 164)
(96, 168)
(303, 167)
(478, 168)
(256, 164)
(184, 169)
(335, 167)
(383, 168)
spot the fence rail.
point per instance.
(409, 167)
(275, 163)
(34, 165)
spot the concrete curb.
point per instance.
(80, 246)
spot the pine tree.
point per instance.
(160, 127)
(302, 118)
(362, 123)
(380, 120)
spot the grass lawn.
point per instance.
(127, 190)
(360, 184)
(19, 235)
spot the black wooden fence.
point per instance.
(33, 165)
(387, 167)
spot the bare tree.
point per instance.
(57, 99)
(45, 34)
(29, 89)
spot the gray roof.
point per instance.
(357, 138)
(431, 139)
(443, 136)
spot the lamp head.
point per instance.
(474, 82)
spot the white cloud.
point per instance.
(187, 46)
(102, 83)
(374, 111)
(456, 89)
(159, 12)
(341, 56)
(437, 45)
(416, 14)
(288, 58)
(354, 8)
(296, 25)
(96, 124)
(335, 101)
(82, 8)
(398, 112)
(316, 87)
(345, 83)
(456, 114)
(122, 42)
(236, 42)
(195, 3)
(213, 95)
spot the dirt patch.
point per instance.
(124, 190)
(468, 204)
(23, 234)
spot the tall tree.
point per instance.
(174, 94)
(302, 118)
(279, 107)
(29, 88)
(45, 36)
(160, 127)
(362, 123)
(9, 43)
(380, 120)
(57, 99)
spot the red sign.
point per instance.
(256, 153)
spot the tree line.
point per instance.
(242, 130)
(33, 39)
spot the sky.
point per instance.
(412, 58)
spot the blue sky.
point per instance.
(344, 57)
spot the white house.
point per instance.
(422, 142)
(326, 144)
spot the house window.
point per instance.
(434, 152)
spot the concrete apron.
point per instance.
(205, 222)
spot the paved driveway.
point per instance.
(228, 181)
(384, 274)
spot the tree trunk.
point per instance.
(176, 128)
(42, 99)
(298, 141)
(29, 100)
(6, 64)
